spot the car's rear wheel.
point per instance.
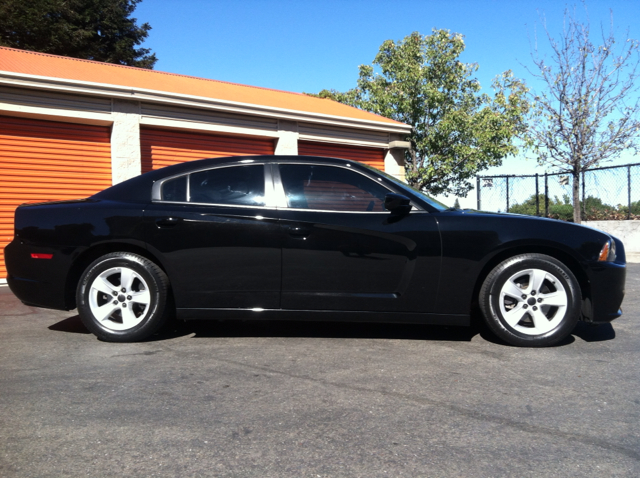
(122, 297)
(531, 300)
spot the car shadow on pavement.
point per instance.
(346, 330)
(290, 328)
(586, 332)
(72, 325)
(287, 328)
(594, 333)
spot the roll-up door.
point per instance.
(46, 161)
(371, 156)
(162, 148)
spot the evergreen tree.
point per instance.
(100, 30)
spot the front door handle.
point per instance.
(168, 221)
(298, 231)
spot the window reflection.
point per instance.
(241, 185)
(330, 189)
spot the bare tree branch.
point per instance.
(589, 110)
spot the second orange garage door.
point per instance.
(46, 161)
(162, 148)
(371, 156)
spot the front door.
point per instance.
(343, 251)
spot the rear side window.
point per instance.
(237, 185)
(175, 189)
(330, 188)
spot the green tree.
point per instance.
(100, 30)
(457, 131)
(588, 111)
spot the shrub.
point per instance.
(593, 209)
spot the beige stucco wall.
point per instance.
(394, 163)
(125, 140)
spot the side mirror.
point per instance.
(397, 203)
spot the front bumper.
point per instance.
(607, 284)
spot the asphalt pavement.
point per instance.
(299, 399)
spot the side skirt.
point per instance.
(324, 316)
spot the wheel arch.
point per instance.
(567, 259)
(80, 264)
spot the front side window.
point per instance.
(237, 185)
(330, 188)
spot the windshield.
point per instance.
(405, 187)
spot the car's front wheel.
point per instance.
(122, 297)
(531, 300)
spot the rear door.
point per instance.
(219, 239)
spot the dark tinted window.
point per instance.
(242, 185)
(330, 189)
(175, 189)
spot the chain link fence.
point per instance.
(608, 193)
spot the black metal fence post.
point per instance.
(537, 197)
(583, 212)
(546, 195)
(629, 192)
(507, 210)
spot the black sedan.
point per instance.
(306, 238)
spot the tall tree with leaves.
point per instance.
(457, 131)
(588, 110)
(100, 30)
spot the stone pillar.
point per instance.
(287, 142)
(394, 163)
(125, 140)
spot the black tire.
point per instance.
(117, 312)
(548, 305)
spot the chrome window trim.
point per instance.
(156, 189)
(244, 206)
(385, 212)
(275, 197)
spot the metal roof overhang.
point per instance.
(9, 78)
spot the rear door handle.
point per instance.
(168, 221)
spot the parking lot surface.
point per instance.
(302, 399)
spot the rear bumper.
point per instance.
(36, 294)
(36, 282)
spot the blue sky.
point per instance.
(305, 46)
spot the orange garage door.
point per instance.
(371, 156)
(46, 160)
(162, 148)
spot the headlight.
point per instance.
(608, 252)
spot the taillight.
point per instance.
(36, 255)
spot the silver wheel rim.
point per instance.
(533, 302)
(119, 298)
